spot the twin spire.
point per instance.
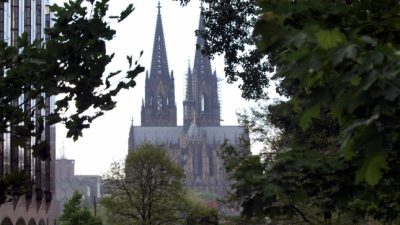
(159, 62)
(201, 100)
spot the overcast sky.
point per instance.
(107, 138)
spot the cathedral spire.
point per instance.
(204, 84)
(159, 108)
(159, 62)
(202, 63)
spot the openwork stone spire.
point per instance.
(201, 90)
(159, 108)
(202, 65)
(159, 62)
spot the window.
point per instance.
(28, 18)
(159, 103)
(202, 102)
(14, 21)
(38, 19)
(47, 19)
(1, 20)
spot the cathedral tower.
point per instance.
(201, 101)
(159, 108)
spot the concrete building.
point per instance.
(37, 206)
(196, 146)
(67, 183)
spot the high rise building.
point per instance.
(195, 146)
(36, 206)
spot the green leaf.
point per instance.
(355, 81)
(308, 115)
(371, 169)
(330, 38)
(129, 58)
(126, 12)
(348, 148)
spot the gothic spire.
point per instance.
(159, 106)
(159, 62)
(204, 85)
(202, 65)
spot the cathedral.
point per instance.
(195, 146)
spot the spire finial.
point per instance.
(132, 121)
(159, 6)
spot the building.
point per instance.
(197, 144)
(36, 206)
(67, 183)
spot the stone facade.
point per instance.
(196, 145)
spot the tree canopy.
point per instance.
(146, 189)
(74, 214)
(335, 140)
(69, 63)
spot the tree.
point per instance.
(74, 214)
(300, 177)
(146, 189)
(201, 215)
(70, 63)
(197, 209)
(228, 32)
(336, 63)
(322, 62)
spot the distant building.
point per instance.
(196, 145)
(37, 206)
(67, 183)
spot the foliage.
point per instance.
(146, 190)
(74, 214)
(301, 178)
(324, 58)
(69, 63)
(335, 150)
(240, 220)
(197, 209)
(201, 215)
(12, 185)
(341, 55)
(228, 27)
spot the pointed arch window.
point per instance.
(202, 102)
(159, 102)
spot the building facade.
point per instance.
(195, 146)
(67, 183)
(35, 207)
